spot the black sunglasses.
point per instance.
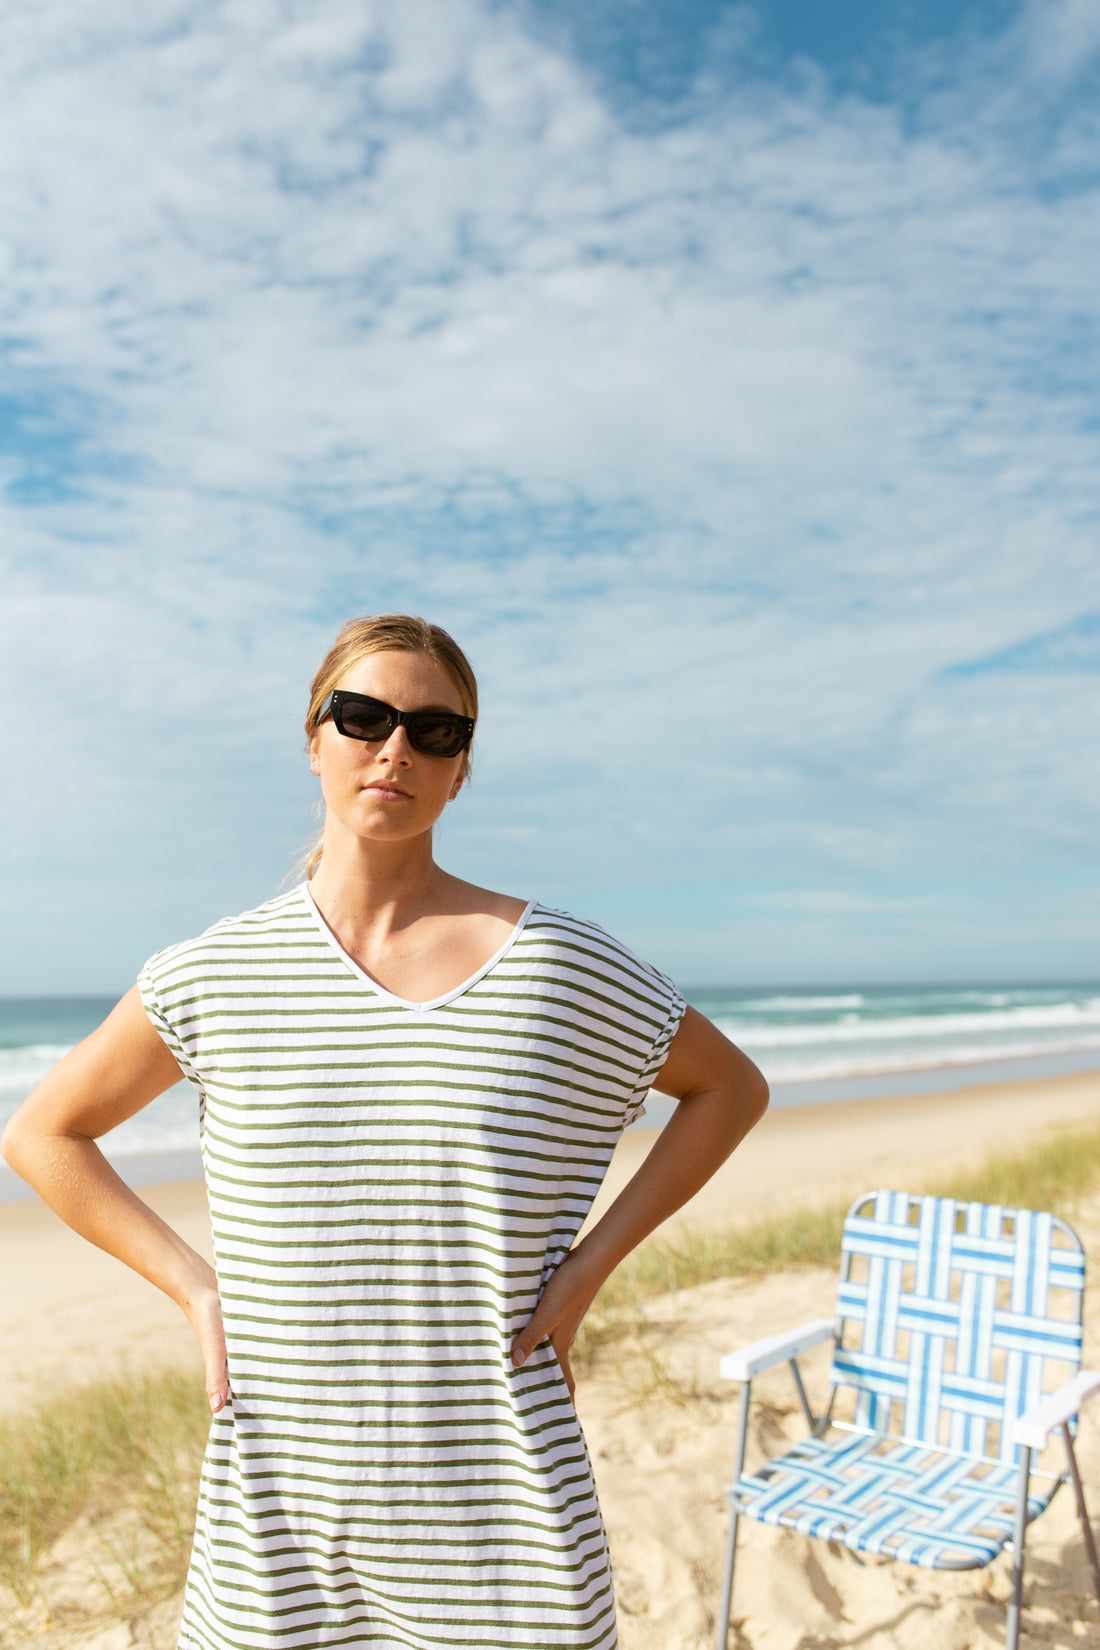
(431, 732)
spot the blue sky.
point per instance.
(725, 377)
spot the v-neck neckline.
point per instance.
(389, 996)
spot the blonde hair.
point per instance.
(387, 633)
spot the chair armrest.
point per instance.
(1034, 1425)
(776, 1349)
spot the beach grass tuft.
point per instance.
(86, 1453)
(1054, 1174)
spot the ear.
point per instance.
(315, 753)
(459, 782)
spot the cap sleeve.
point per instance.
(149, 982)
(675, 1006)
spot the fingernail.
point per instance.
(216, 1401)
(518, 1357)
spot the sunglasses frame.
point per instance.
(333, 706)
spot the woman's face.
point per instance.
(386, 791)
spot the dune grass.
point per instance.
(1053, 1174)
(131, 1443)
(136, 1443)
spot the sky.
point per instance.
(725, 377)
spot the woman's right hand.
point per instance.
(204, 1312)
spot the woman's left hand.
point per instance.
(559, 1313)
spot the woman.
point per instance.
(411, 1088)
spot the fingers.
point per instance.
(542, 1323)
(545, 1324)
(206, 1319)
(217, 1391)
(530, 1336)
(217, 1373)
(557, 1315)
(562, 1355)
(536, 1329)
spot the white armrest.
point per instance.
(776, 1349)
(1034, 1425)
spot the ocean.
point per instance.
(812, 1045)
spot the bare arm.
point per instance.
(721, 1095)
(51, 1142)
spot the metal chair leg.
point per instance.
(1012, 1636)
(1082, 1511)
(812, 1420)
(735, 1519)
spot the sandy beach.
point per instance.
(659, 1418)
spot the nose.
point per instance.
(396, 748)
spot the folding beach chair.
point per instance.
(958, 1344)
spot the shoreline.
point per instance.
(161, 1167)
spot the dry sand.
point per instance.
(811, 1154)
(660, 1420)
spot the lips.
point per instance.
(382, 788)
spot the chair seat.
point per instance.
(879, 1495)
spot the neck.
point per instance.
(366, 882)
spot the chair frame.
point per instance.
(1030, 1431)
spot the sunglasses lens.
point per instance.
(433, 732)
(365, 719)
(437, 734)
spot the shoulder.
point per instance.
(586, 950)
(267, 929)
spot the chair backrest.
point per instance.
(955, 1317)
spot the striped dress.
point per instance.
(391, 1184)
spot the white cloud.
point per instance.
(719, 440)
